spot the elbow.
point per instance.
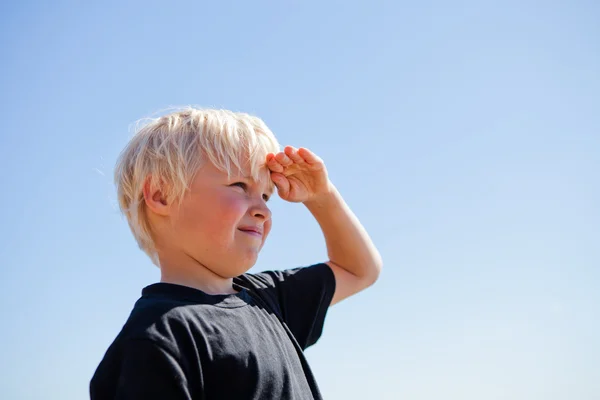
(374, 271)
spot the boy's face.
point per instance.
(224, 222)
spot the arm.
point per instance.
(301, 176)
(353, 258)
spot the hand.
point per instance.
(298, 174)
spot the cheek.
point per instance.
(267, 228)
(229, 211)
(214, 217)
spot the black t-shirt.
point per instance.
(181, 343)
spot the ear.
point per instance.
(155, 199)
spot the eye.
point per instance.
(266, 197)
(240, 184)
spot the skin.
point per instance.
(222, 224)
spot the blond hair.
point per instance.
(169, 150)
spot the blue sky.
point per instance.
(465, 136)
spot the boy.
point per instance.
(194, 187)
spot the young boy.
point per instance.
(194, 187)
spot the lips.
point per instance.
(250, 230)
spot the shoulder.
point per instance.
(158, 320)
(273, 286)
(274, 278)
(158, 323)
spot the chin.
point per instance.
(246, 266)
(242, 266)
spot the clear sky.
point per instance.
(465, 135)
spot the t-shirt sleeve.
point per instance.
(303, 296)
(149, 372)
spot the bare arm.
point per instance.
(301, 176)
(355, 261)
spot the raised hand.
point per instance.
(299, 174)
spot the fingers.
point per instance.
(292, 153)
(289, 156)
(308, 156)
(283, 159)
(278, 162)
(273, 163)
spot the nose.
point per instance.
(261, 210)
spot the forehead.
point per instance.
(261, 176)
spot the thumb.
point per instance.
(282, 184)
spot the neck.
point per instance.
(186, 271)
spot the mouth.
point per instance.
(252, 232)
